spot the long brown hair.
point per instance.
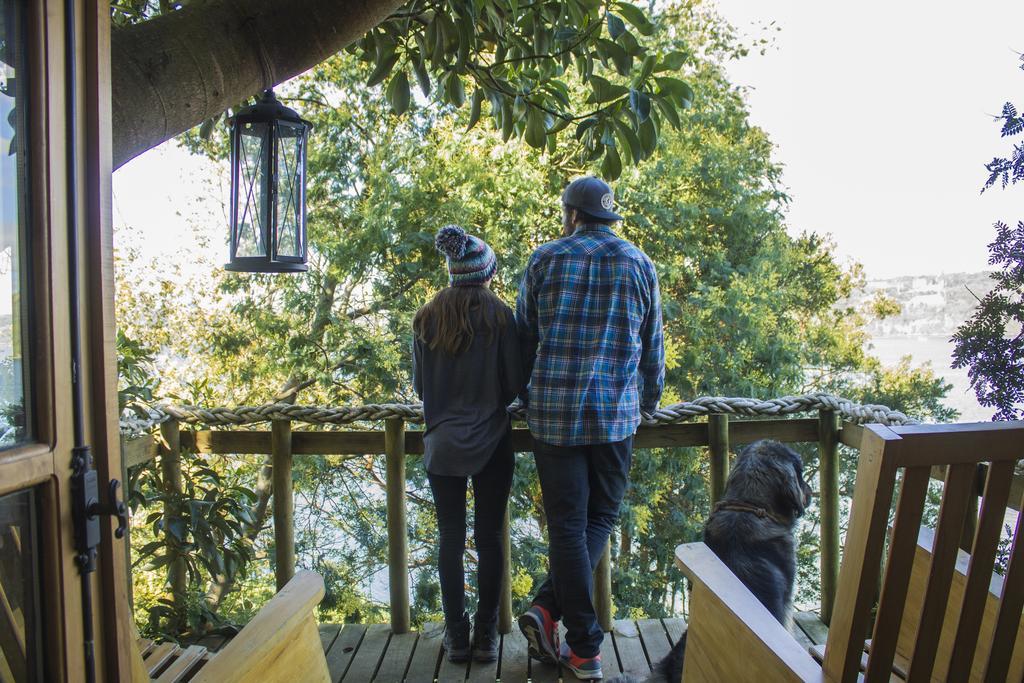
(446, 321)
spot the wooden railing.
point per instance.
(719, 433)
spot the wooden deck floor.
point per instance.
(357, 653)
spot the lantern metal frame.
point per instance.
(269, 111)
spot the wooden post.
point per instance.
(505, 606)
(603, 589)
(174, 489)
(828, 498)
(718, 442)
(398, 535)
(283, 501)
(971, 518)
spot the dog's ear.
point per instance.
(792, 490)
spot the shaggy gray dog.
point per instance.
(752, 530)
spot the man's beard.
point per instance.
(568, 227)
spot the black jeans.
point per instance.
(583, 488)
(491, 488)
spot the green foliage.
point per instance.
(749, 308)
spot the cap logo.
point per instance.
(607, 201)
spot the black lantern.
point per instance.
(268, 188)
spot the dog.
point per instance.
(752, 530)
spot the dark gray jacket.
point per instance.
(465, 399)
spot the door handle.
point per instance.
(114, 508)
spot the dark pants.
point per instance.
(583, 488)
(491, 488)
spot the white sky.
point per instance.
(881, 113)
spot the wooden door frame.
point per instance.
(45, 461)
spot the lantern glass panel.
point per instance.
(291, 138)
(252, 186)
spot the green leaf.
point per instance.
(398, 93)
(648, 135)
(474, 112)
(646, 69)
(611, 167)
(619, 58)
(583, 126)
(673, 61)
(536, 132)
(640, 103)
(668, 109)
(616, 27)
(676, 89)
(635, 16)
(507, 120)
(604, 90)
(633, 144)
(419, 67)
(382, 70)
(454, 89)
(564, 35)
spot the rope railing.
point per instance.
(412, 412)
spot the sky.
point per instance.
(881, 113)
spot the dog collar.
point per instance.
(740, 506)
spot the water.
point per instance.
(938, 350)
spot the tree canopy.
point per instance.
(519, 64)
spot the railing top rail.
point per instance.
(672, 414)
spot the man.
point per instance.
(589, 321)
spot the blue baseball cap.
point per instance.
(592, 196)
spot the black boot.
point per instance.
(485, 639)
(456, 640)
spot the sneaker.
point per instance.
(485, 640)
(585, 668)
(541, 632)
(456, 640)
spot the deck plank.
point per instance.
(812, 625)
(328, 632)
(484, 672)
(609, 660)
(368, 656)
(396, 661)
(514, 667)
(450, 672)
(343, 649)
(423, 665)
(675, 627)
(655, 639)
(631, 650)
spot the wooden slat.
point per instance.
(959, 480)
(1010, 608)
(858, 575)
(423, 665)
(215, 642)
(800, 636)
(187, 660)
(631, 650)
(344, 649)
(950, 444)
(811, 624)
(159, 657)
(450, 672)
(483, 672)
(328, 632)
(902, 548)
(609, 659)
(656, 642)
(795, 430)
(368, 656)
(396, 660)
(675, 628)
(979, 573)
(514, 667)
(851, 434)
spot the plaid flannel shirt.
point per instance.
(589, 321)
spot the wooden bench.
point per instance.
(282, 643)
(941, 614)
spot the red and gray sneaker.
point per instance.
(541, 632)
(585, 668)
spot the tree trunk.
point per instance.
(177, 70)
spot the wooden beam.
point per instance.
(718, 440)
(828, 499)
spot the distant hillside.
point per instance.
(931, 305)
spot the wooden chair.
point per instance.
(942, 615)
(282, 643)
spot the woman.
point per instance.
(466, 370)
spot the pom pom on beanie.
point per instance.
(451, 241)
